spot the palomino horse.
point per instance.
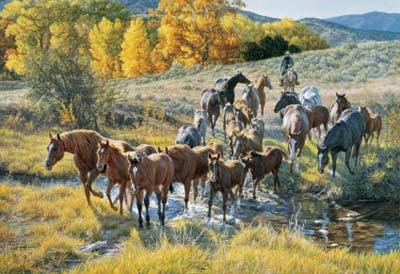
(230, 114)
(188, 135)
(211, 99)
(289, 80)
(251, 99)
(264, 81)
(317, 116)
(227, 86)
(341, 103)
(286, 98)
(245, 112)
(223, 177)
(246, 141)
(83, 145)
(295, 123)
(261, 164)
(345, 135)
(151, 173)
(373, 124)
(200, 122)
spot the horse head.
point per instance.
(323, 158)
(342, 102)
(55, 151)
(103, 154)
(239, 78)
(286, 98)
(266, 81)
(213, 166)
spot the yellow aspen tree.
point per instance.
(136, 50)
(105, 41)
(191, 32)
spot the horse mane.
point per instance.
(81, 141)
(120, 146)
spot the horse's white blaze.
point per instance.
(320, 159)
(134, 170)
(51, 146)
(102, 150)
(243, 165)
(292, 148)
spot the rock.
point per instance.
(93, 247)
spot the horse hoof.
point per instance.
(100, 195)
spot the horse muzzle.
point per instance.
(48, 166)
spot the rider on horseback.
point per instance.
(286, 62)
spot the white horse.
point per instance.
(310, 97)
(251, 99)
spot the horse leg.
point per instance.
(108, 193)
(255, 183)
(203, 186)
(187, 192)
(196, 189)
(319, 132)
(356, 153)
(231, 145)
(139, 203)
(215, 121)
(83, 176)
(157, 190)
(334, 159)
(147, 204)
(164, 202)
(210, 202)
(122, 189)
(93, 175)
(378, 134)
(224, 198)
(347, 160)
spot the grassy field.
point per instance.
(41, 228)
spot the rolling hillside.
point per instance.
(370, 21)
(337, 34)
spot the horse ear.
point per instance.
(129, 158)
(166, 150)
(337, 95)
(50, 135)
(58, 136)
(344, 95)
(159, 150)
(209, 155)
(107, 143)
(218, 156)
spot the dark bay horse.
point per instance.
(338, 106)
(227, 86)
(296, 126)
(211, 100)
(83, 145)
(286, 98)
(345, 135)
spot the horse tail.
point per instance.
(171, 188)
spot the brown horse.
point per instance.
(289, 80)
(245, 112)
(223, 177)
(113, 157)
(261, 164)
(189, 166)
(230, 113)
(246, 141)
(295, 123)
(373, 124)
(210, 101)
(260, 84)
(203, 152)
(83, 145)
(317, 116)
(341, 103)
(151, 173)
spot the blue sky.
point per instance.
(319, 8)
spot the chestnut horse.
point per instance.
(245, 112)
(83, 145)
(264, 81)
(151, 173)
(246, 141)
(223, 177)
(113, 156)
(341, 103)
(261, 164)
(295, 123)
(317, 116)
(203, 152)
(373, 124)
(230, 113)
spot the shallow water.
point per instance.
(359, 227)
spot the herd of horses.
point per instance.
(140, 171)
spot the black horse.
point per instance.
(226, 87)
(286, 98)
(345, 136)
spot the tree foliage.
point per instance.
(191, 32)
(136, 51)
(105, 47)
